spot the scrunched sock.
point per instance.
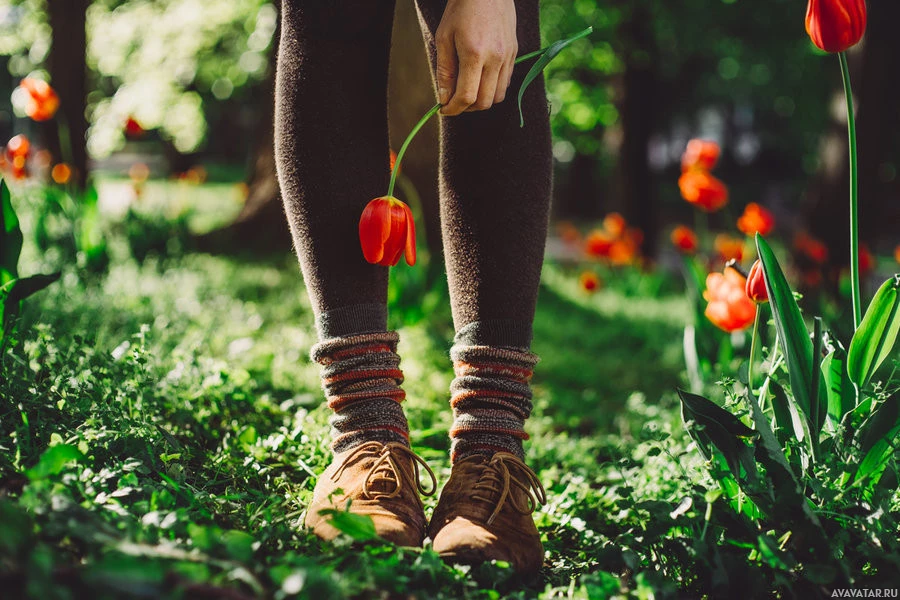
(491, 399)
(361, 379)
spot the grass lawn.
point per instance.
(185, 429)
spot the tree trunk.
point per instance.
(67, 65)
(637, 109)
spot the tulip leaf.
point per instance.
(13, 292)
(877, 441)
(545, 58)
(792, 335)
(10, 237)
(839, 389)
(877, 333)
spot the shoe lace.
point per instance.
(386, 469)
(497, 480)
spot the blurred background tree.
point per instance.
(197, 75)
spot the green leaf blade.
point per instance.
(10, 237)
(877, 333)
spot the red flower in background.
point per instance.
(61, 173)
(568, 232)
(685, 240)
(614, 224)
(756, 284)
(700, 154)
(729, 248)
(897, 253)
(393, 160)
(811, 248)
(866, 260)
(41, 101)
(729, 308)
(756, 219)
(18, 148)
(387, 231)
(835, 25)
(589, 281)
(598, 243)
(703, 190)
(133, 129)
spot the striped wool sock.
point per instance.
(361, 379)
(491, 398)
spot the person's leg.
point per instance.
(332, 151)
(495, 196)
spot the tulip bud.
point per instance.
(756, 284)
(835, 25)
(387, 231)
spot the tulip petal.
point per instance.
(410, 237)
(374, 229)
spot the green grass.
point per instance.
(189, 428)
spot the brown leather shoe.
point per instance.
(485, 511)
(381, 481)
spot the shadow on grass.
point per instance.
(596, 353)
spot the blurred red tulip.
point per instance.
(598, 243)
(729, 248)
(756, 284)
(756, 219)
(835, 25)
(41, 101)
(589, 281)
(387, 231)
(700, 154)
(568, 232)
(61, 173)
(18, 146)
(685, 240)
(614, 224)
(703, 190)
(729, 308)
(897, 253)
(866, 260)
(133, 129)
(811, 248)
(394, 160)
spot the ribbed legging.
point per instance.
(332, 154)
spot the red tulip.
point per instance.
(700, 154)
(897, 254)
(729, 248)
(133, 129)
(41, 100)
(866, 260)
(813, 249)
(589, 281)
(756, 284)
(835, 25)
(703, 190)
(685, 240)
(756, 219)
(729, 308)
(598, 243)
(387, 231)
(614, 224)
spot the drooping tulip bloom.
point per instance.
(756, 219)
(835, 25)
(756, 284)
(589, 281)
(685, 240)
(41, 100)
(387, 231)
(700, 154)
(703, 190)
(729, 308)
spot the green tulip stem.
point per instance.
(754, 343)
(854, 194)
(405, 145)
(434, 109)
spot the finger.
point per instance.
(503, 80)
(468, 80)
(487, 88)
(447, 65)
